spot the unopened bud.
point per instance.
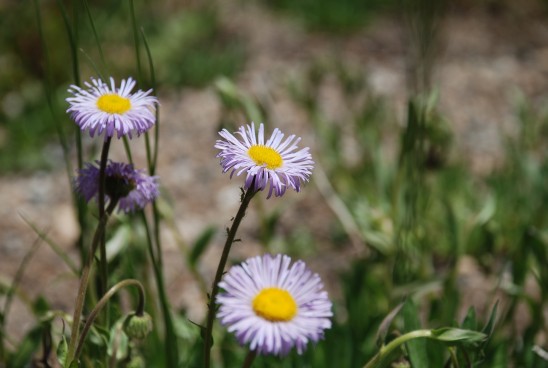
(62, 350)
(137, 326)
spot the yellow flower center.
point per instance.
(275, 305)
(267, 156)
(113, 104)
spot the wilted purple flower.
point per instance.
(132, 188)
(275, 163)
(274, 306)
(100, 108)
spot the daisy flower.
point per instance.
(274, 306)
(276, 163)
(101, 107)
(132, 188)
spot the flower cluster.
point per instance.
(269, 303)
(114, 110)
(275, 163)
(274, 306)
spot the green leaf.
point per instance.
(450, 334)
(40, 306)
(119, 241)
(488, 329)
(416, 348)
(200, 245)
(62, 350)
(26, 349)
(118, 341)
(470, 322)
(385, 324)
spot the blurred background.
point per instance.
(427, 121)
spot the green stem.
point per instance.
(152, 165)
(246, 198)
(157, 238)
(103, 263)
(136, 41)
(454, 359)
(249, 358)
(80, 204)
(386, 350)
(171, 353)
(81, 296)
(103, 302)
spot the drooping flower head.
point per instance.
(274, 306)
(132, 188)
(276, 163)
(101, 107)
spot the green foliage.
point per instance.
(200, 245)
(193, 49)
(339, 16)
(423, 212)
(29, 125)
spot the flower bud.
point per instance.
(137, 326)
(62, 350)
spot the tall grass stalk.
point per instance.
(153, 238)
(72, 31)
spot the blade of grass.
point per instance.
(95, 35)
(43, 236)
(9, 295)
(136, 41)
(81, 205)
(127, 148)
(152, 163)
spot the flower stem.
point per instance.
(246, 198)
(249, 358)
(103, 264)
(386, 350)
(170, 342)
(81, 296)
(103, 302)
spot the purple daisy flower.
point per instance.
(276, 163)
(101, 107)
(133, 188)
(274, 306)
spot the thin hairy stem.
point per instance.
(249, 358)
(103, 263)
(246, 198)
